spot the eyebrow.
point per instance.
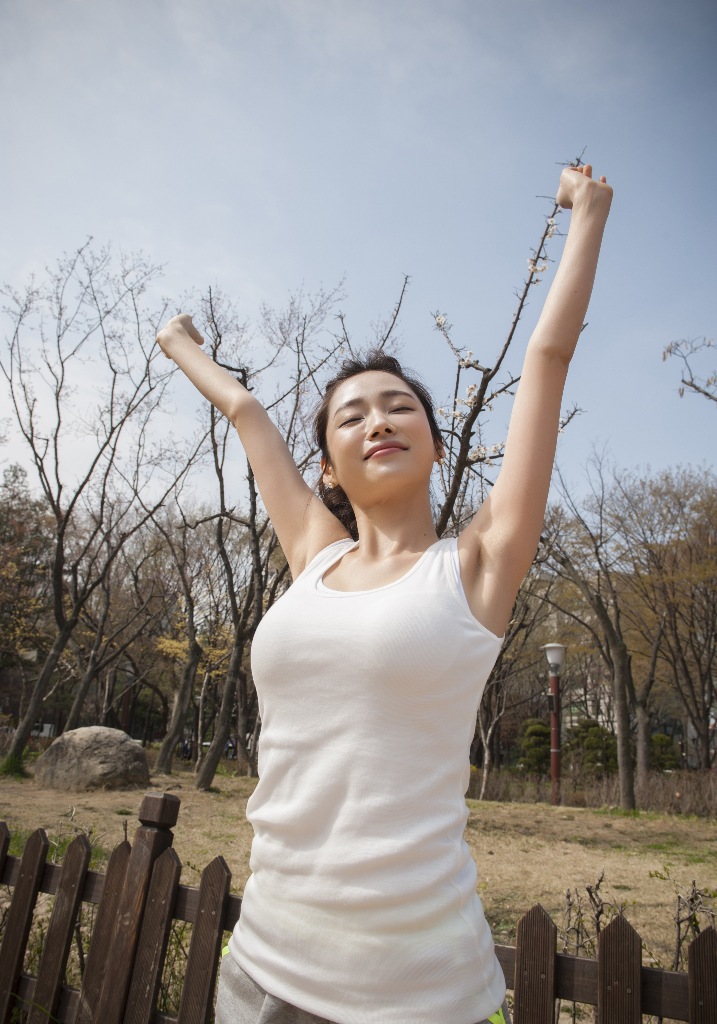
(384, 394)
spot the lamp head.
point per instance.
(555, 653)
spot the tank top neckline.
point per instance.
(326, 591)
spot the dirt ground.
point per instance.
(526, 853)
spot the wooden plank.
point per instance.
(576, 979)
(187, 900)
(51, 970)
(506, 958)
(186, 907)
(203, 962)
(702, 978)
(157, 813)
(105, 920)
(19, 919)
(121, 949)
(91, 892)
(619, 963)
(664, 993)
(4, 846)
(534, 985)
(152, 946)
(232, 911)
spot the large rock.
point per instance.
(93, 758)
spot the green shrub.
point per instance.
(590, 749)
(664, 753)
(534, 747)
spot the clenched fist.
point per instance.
(175, 330)
(577, 183)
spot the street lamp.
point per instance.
(555, 653)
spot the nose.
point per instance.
(378, 423)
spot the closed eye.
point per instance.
(352, 419)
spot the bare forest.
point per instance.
(136, 559)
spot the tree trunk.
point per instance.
(253, 750)
(179, 710)
(486, 736)
(621, 668)
(200, 723)
(146, 732)
(73, 719)
(643, 750)
(13, 759)
(487, 762)
(222, 728)
(705, 752)
(108, 698)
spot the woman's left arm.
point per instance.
(498, 546)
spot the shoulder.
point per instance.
(321, 552)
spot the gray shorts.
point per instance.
(241, 1001)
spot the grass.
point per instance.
(526, 853)
(13, 767)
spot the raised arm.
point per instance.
(498, 546)
(302, 522)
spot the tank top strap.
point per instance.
(323, 559)
(440, 563)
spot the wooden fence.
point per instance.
(139, 896)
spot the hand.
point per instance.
(176, 328)
(578, 182)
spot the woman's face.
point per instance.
(378, 436)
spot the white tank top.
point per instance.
(362, 903)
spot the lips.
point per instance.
(385, 446)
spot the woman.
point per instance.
(361, 907)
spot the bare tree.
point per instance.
(464, 478)
(185, 547)
(255, 570)
(84, 386)
(465, 473)
(579, 547)
(121, 609)
(25, 547)
(517, 660)
(689, 352)
(668, 522)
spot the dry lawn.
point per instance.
(526, 853)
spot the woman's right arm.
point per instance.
(302, 522)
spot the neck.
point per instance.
(389, 529)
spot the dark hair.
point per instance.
(335, 498)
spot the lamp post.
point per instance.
(555, 653)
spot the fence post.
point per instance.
(619, 967)
(105, 921)
(158, 814)
(534, 984)
(702, 977)
(203, 961)
(19, 919)
(51, 970)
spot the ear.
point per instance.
(440, 451)
(327, 474)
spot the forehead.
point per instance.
(366, 387)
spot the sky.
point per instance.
(271, 145)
